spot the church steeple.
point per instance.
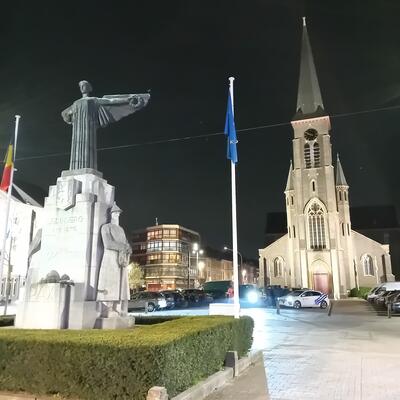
(309, 100)
(289, 184)
(340, 178)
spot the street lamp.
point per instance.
(240, 255)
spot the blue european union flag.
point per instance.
(230, 131)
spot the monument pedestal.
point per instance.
(61, 287)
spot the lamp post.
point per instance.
(240, 255)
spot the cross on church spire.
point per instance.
(309, 99)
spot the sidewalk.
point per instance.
(251, 385)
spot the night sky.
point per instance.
(184, 51)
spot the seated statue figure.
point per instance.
(113, 286)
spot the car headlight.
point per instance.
(252, 297)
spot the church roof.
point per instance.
(309, 100)
(289, 184)
(340, 178)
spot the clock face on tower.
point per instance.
(310, 134)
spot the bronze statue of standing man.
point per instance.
(88, 114)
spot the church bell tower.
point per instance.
(314, 212)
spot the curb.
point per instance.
(210, 384)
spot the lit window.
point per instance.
(278, 264)
(316, 227)
(368, 265)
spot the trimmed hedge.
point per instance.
(154, 319)
(121, 364)
(360, 292)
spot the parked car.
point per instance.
(197, 296)
(217, 289)
(396, 303)
(154, 301)
(250, 294)
(304, 298)
(381, 289)
(389, 298)
(174, 299)
(271, 293)
(372, 293)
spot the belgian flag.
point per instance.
(8, 166)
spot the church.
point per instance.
(320, 250)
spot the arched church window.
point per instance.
(348, 229)
(345, 196)
(342, 229)
(307, 155)
(278, 266)
(316, 227)
(294, 231)
(368, 265)
(340, 195)
(316, 154)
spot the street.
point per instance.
(353, 354)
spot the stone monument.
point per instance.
(77, 276)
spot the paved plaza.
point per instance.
(353, 354)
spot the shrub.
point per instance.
(360, 292)
(121, 364)
(7, 320)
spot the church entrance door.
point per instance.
(321, 282)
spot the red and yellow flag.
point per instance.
(5, 180)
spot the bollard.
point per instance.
(278, 307)
(389, 310)
(330, 308)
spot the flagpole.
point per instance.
(236, 303)
(7, 213)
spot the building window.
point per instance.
(340, 195)
(313, 186)
(316, 227)
(345, 196)
(312, 155)
(316, 154)
(294, 231)
(307, 155)
(289, 232)
(368, 265)
(292, 199)
(348, 229)
(278, 266)
(342, 229)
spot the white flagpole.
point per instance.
(7, 213)
(236, 303)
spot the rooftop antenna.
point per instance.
(156, 221)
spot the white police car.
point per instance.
(304, 298)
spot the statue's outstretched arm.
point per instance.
(67, 115)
